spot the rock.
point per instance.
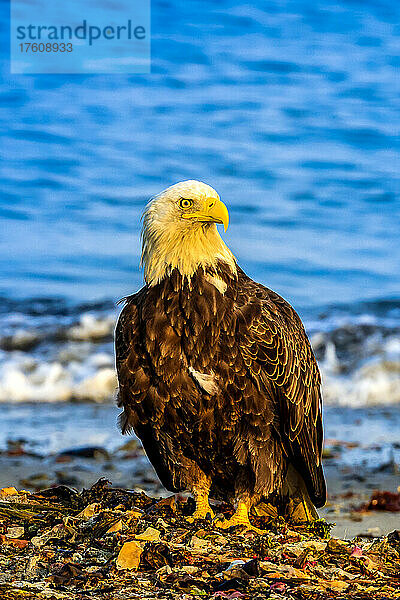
(149, 535)
(356, 552)
(336, 585)
(15, 532)
(394, 537)
(234, 564)
(58, 531)
(168, 503)
(199, 543)
(190, 569)
(89, 511)
(129, 556)
(13, 542)
(252, 567)
(8, 491)
(116, 527)
(336, 546)
(94, 452)
(163, 573)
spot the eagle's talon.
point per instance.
(228, 523)
(240, 518)
(203, 509)
(207, 513)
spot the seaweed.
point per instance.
(111, 543)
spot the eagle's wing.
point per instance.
(136, 394)
(279, 357)
(128, 351)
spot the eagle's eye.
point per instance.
(185, 203)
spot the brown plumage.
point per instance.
(217, 376)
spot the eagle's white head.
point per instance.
(179, 231)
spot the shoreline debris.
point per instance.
(113, 544)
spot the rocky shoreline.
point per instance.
(64, 536)
(112, 543)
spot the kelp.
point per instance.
(110, 543)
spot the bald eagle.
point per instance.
(216, 374)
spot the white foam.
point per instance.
(25, 379)
(100, 387)
(375, 383)
(91, 327)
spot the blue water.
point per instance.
(289, 109)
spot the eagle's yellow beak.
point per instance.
(214, 211)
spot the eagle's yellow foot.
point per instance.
(203, 508)
(201, 514)
(241, 517)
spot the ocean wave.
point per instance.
(52, 355)
(359, 356)
(371, 385)
(26, 379)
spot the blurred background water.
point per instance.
(289, 109)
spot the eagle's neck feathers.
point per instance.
(183, 248)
